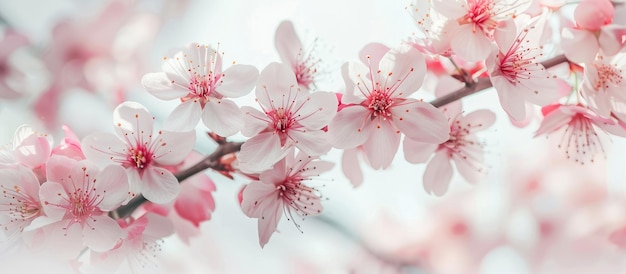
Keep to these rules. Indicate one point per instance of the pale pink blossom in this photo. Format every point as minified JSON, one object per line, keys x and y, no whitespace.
{"x":463,"y":148}
{"x":11,"y":78}
{"x":593,"y":32}
{"x":434,"y":26}
{"x":579,"y":126}
{"x":603,"y":85}
{"x":302,"y":61}
{"x":476,"y":20}
{"x":29,"y":149}
{"x":76,"y":199}
{"x":69,"y":146}
{"x":195,"y":77}
{"x":141,"y":151}
{"x":282,"y":190}
{"x":19,"y":201}
{"x":139,"y":248}
{"x":378,"y":108}
{"x":516,"y":73}
{"x":290,"y":117}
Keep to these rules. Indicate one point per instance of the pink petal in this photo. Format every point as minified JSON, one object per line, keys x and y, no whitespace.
{"x":349,"y":129}
{"x":355,"y":73}
{"x":471,"y":45}
{"x":238,"y":80}
{"x":405,"y":68}
{"x":53,"y":194}
{"x":512,"y":102}
{"x":103,"y":148}
{"x":275,"y":81}
{"x":58,"y":167}
{"x":159,"y":185}
{"x":316,"y":168}
{"x":579,"y":46}
{"x":421,"y":121}
{"x":553,"y":121}
{"x":66,"y":241}
{"x":160,"y":86}
{"x":417,"y":152}
{"x":318,"y":110}
{"x":133,"y":119}
{"x":610,"y":39}
{"x":174,"y":147}
{"x":269,"y":221}
{"x":311,"y":142}
{"x":479,"y":119}
{"x":287,"y":43}
{"x":254,"y":121}
{"x":194,"y":205}
{"x":372,"y":53}
{"x":351,"y":167}
{"x":473,"y":174}
{"x":184,"y":117}
{"x":112,"y":186}
{"x":33,"y":151}
{"x":158,"y":226}
{"x":102,"y":233}
{"x":382,"y":144}
{"x":258,"y":197}
{"x":438,"y":174}
{"x":592,"y":14}
{"x":223,"y":117}
{"x":450,"y":9}
{"x":505,"y":34}
{"x":260,"y":152}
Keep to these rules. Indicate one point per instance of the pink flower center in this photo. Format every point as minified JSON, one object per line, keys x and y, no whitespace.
{"x":480,"y":14}
{"x":304,"y":74}
{"x":281,"y":119}
{"x":519,"y":62}
{"x":607,"y":75}
{"x":297,"y":198}
{"x":202,"y":88}
{"x":19,"y":206}
{"x":139,"y":157}
{"x":379,"y":104}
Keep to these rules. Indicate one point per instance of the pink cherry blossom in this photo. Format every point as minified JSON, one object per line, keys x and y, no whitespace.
{"x":603,"y":85}
{"x":593,"y":32}
{"x":290,"y":117}
{"x":140,"y":151}
{"x":69,"y":146}
{"x":76,"y":199}
{"x":29,"y":149}
{"x":19,"y":202}
{"x":302,"y":62}
{"x":477,"y":20}
{"x":463,"y":148}
{"x":516,"y":73}
{"x":11,"y":77}
{"x":139,"y":247}
{"x":283,"y":190}
{"x":579,"y":125}
{"x":195,"y":77}
{"x":378,"y":108}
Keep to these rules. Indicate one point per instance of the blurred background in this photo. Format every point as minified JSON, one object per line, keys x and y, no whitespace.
{"x":536,"y":212}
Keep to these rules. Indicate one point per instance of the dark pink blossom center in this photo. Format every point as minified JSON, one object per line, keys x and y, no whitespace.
{"x":139,"y":157}
{"x":607,"y":75}
{"x":480,"y":13}
{"x":379,"y":104}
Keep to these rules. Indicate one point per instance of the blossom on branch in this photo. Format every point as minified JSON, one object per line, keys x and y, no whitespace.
{"x":378,"y":108}
{"x":283,"y":190}
{"x":141,"y":151}
{"x":195,"y":77}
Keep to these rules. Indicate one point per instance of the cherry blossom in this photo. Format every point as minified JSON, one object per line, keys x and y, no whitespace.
{"x":516,"y":73}
{"x":477,"y":20}
{"x":11,"y":78}
{"x":76,"y":199}
{"x":141,"y":151}
{"x":141,"y":243}
{"x":283,"y":190}
{"x":593,"y":32}
{"x":603,"y":85}
{"x":29,"y":149}
{"x":580,"y":126}
{"x":378,"y":108}
{"x":302,"y":62}
{"x":19,"y":202}
{"x":463,"y":148}
{"x":195,"y":77}
{"x":290,"y":117}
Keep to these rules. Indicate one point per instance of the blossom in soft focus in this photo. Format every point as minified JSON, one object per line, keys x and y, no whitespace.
{"x":19,"y":202}
{"x":140,"y":150}
{"x":284,"y":190}
{"x":603,"y":85}
{"x":302,"y":61}
{"x":11,"y":78}
{"x":290,"y":117}
{"x":379,"y":108}
{"x":195,"y":76}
